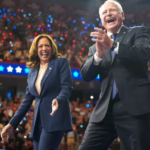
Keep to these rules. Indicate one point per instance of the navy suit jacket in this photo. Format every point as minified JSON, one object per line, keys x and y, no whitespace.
{"x":128,"y":69}
{"x":56,"y":84}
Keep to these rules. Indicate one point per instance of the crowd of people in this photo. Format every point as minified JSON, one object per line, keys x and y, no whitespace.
{"x":71,"y":32}
{"x":21,"y":137}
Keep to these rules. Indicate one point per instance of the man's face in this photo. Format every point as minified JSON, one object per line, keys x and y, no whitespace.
{"x":111,"y":17}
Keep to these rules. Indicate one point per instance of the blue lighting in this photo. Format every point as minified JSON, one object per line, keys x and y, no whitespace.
{"x":21,"y":10}
{"x":14,"y":27}
{"x":49,"y":16}
{"x":88,"y":24}
{"x":31,"y":40}
{"x":76,"y":74}
{"x":50,"y":29}
{"x":14,"y":14}
{"x":29,"y":14}
{"x":29,"y":111}
{"x":61,"y":38}
{"x":97,"y":19}
{"x":0,"y":104}
{"x":27,"y":70}
{"x":3,"y":9}
{"x":24,"y":118}
{"x":0,"y":11}
{"x":8,"y":19}
{"x":1,"y":68}
{"x":1,"y":16}
{"x":22,"y":70}
{"x":39,"y":28}
{"x":134,"y":26}
{"x":24,"y":15}
{"x":5,"y":14}
{"x":93,"y":25}
{"x":73,"y":21}
{"x":86,"y":28}
{"x":87,"y":105}
{"x":82,"y":18}
{"x":81,"y":126}
{"x":48,"y":20}
{"x":10,"y":51}
{"x":60,"y":44}
{"x":81,"y":33}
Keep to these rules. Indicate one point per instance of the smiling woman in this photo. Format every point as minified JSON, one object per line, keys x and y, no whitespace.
{"x":50,"y":84}
{"x":43,"y":49}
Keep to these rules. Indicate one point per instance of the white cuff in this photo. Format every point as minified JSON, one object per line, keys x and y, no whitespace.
{"x":116,"y":49}
{"x":96,"y":60}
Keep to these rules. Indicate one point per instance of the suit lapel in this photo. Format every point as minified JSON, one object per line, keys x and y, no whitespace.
{"x":120,"y":37}
{"x":33,"y":78}
{"x":48,"y":71}
{"x":107,"y":54}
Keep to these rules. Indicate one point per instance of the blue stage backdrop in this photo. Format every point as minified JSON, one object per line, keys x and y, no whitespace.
{"x":22,"y":70}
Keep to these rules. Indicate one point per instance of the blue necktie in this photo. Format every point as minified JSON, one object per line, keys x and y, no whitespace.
{"x":114,"y":91}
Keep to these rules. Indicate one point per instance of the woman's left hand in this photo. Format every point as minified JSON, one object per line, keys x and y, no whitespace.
{"x":55,"y":106}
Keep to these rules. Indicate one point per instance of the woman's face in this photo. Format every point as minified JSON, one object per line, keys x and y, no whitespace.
{"x":44,"y":50}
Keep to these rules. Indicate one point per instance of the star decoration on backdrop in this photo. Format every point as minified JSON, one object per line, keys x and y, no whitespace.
{"x":10,"y":69}
{"x":18,"y":69}
{"x":1,"y":68}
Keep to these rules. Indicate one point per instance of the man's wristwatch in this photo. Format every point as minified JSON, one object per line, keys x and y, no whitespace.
{"x":114,"y":45}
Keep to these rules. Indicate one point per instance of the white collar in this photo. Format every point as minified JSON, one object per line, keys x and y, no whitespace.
{"x":109,"y":33}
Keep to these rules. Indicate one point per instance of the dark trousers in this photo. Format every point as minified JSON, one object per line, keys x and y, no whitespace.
{"x":134,"y":132}
{"x":46,"y":140}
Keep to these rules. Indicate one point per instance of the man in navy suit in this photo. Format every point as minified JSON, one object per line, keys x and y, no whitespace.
{"x":120,"y":57}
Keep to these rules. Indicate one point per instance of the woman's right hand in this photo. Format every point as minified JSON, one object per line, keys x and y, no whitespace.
{"x":6,"y":131}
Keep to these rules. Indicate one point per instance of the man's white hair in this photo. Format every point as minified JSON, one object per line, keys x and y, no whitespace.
{"x":112,"y":1}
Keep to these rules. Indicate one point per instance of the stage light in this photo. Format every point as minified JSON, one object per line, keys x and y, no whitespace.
{"x":91,"y":97}
{"x":75,"y":74}
{"x":93,"y":25}
{"x":87,"y":105}
{"x":73,"y":21}
{"x":27,"y":70}
{"x":49,"y":16}
{"x":14,"y":27}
